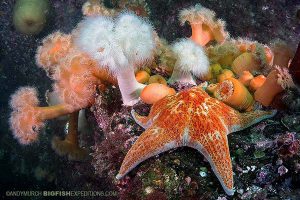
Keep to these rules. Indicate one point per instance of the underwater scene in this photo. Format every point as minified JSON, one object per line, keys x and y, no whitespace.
{"x":150,"y":100}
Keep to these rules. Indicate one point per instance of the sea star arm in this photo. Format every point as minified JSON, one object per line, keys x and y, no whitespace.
{"x":153,"y":141}
{"x":208,"y":134}
{"x":242,"y":121}
{"x":215,"y":149}
{"x":157,"y":108}
{"x":143,"y":121}
{"x":236,"y":121}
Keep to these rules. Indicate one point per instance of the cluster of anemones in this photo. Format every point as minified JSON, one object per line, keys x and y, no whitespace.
{"x":76,"y":77}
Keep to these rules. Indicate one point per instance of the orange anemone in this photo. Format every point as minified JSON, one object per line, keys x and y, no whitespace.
{"x":276,"y":81}
{"x":205,"y":26}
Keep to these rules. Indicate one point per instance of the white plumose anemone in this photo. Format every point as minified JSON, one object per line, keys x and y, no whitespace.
{"x":135,"y":37}
{"x":96,"y":37}
{"x":191,"y":60}
{"x":121,"y":46}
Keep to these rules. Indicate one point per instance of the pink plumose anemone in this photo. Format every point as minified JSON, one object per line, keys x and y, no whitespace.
{"x":27,"y":118}
{"x":69,"y":146}
{"x":23,"y":121}
{"x":53,"y":49}
{"x":77,"y":78}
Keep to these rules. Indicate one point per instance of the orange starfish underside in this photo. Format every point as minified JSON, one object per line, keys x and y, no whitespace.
{"x":191,"y":118}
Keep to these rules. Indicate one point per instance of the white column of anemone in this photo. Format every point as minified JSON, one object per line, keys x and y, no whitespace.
{"x":135,"y":37}
{"x":191,"y":60}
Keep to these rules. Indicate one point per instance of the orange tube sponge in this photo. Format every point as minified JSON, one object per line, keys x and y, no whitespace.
{"x":155,"y":92}
{"x":27,"y":118}
{"x":235,"y":94}
{"x":77,"y":78}
{"x":54,"y":48}
{"x":276,"y":81}
{"x":245,"y":78}
{"x":205,"y":27}
{"x":70,"y":146}
{"x":257,"y":82}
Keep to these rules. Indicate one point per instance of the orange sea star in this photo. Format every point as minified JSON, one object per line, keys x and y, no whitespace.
{"x":191,"y":118}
